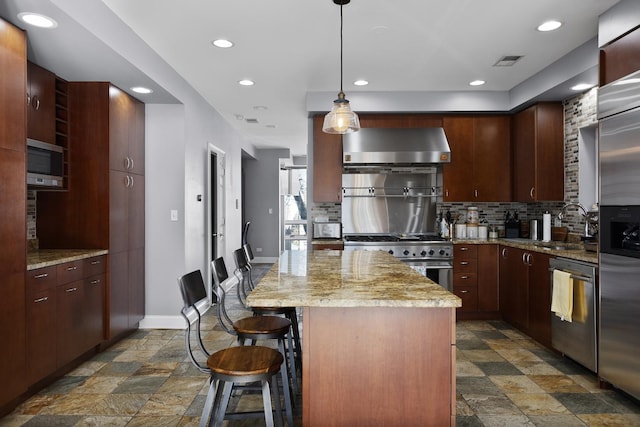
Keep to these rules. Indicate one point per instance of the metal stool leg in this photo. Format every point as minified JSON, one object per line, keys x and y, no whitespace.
{"x":285,"y":383}
{"x":222,"y":401}
{"x":207,"y":411}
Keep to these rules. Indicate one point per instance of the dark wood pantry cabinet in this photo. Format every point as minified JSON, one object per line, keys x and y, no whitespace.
{"x":41,"y":104}
{"x":104,"y":207}
{"x":13,"y":210}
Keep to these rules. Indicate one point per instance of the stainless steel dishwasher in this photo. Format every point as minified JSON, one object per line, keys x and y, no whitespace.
{"x":577,"y":339}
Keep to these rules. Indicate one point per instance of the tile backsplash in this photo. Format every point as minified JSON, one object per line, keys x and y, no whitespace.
{"x":32,"y":235}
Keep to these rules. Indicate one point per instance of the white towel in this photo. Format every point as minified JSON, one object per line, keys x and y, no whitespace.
{"x":562,"y":295}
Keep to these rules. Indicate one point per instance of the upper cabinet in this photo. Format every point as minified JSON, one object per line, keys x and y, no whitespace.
{"x":480,"y":159}
{"x":41,"y":104}
{"x":538,"y":146}
{"x":327,"y":164}
{"x":620,"y":58}
{"x":126,"y":126}
{"x":13,"y":58}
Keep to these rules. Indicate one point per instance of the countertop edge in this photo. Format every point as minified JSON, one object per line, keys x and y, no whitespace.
{"x":50,"y":257}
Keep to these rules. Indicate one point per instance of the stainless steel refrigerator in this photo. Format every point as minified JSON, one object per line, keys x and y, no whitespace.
{"x":619,"y":303}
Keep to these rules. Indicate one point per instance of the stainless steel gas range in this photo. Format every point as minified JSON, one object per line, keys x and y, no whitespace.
{"x":428,"y":254}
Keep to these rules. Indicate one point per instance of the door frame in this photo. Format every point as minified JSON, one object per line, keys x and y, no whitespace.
{"x":220,"y":196}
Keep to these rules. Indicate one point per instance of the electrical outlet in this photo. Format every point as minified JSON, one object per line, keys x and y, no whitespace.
{"x":174,"y":215}
{"x":258,"y":249}
{"x":270,"y":211}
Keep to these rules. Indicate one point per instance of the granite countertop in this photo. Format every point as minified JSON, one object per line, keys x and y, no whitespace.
{"x":347,"y":279}
{"x":48,"y":257}
{"x":574,"y":250}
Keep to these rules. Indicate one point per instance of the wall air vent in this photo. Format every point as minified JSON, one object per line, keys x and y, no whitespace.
{"x":251,"y":121}
{"x":507,"y":60}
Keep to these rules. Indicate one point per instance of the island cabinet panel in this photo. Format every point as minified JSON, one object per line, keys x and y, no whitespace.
{"x":41,"y":106}
{"x":480,"y":168}
{"x":407,"y":354}
{"x":475,"y":280}
{"x":525,"y":298}
{"x":538,"y":146}
{"x":620,"y":58}
{"x":327,"y":164}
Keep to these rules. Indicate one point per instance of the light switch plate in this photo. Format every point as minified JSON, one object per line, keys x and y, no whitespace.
{"x":174,"y":214}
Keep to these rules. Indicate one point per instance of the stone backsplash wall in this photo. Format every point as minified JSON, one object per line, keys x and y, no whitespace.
{"x":579,"y":112}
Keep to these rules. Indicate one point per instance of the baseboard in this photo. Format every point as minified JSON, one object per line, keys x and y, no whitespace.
{"x":171,"y":322}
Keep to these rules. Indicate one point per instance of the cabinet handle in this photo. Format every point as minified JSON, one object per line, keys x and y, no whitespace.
{"x":43,"y":299}
{"x":446,"y":192}
{"x":464,"y":292}
{"x":464,"y":262}
{"x":464,"y":277}
{"x":464,"y":248}
{"x":35,"y":102}
{"x":72,"y":268}
{"x":531,"y":192}
{"x":529,"y":263}
{"x":126,"y":162}
{"x":132,"y":182}
{"x":131,"y":159}
{"x":475,"y":193}
{"x":127,"y":181}
{"x":71,"y":290}
{"x":95,"y":282}
{"x":96,"y":262}
{"x":504,"y":252}
{"x":28,"y":99}
{"x":524,"y":257}
{"x":41,"y":276}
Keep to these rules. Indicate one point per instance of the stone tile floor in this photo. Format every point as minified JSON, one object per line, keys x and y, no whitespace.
{"x":503,"y":379}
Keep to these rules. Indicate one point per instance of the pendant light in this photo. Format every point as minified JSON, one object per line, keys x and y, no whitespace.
{"x":341,"y":119}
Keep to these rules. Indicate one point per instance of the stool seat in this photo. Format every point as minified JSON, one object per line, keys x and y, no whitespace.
{"x":248,"y":362}
{"x":263,"y":325}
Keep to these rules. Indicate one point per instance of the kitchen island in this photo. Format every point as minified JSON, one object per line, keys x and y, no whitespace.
{"x":378,"y":338}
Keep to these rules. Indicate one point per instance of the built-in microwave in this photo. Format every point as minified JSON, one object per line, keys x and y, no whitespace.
{"x":45,"y":163}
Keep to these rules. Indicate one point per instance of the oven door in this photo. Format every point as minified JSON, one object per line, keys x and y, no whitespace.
{"x":440,"y":272}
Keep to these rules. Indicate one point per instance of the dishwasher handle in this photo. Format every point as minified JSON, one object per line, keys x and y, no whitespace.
{"x":575,"y":276}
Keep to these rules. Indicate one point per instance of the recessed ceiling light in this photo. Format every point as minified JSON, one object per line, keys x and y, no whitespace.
{"x":361,"y":83}
{"x":140,"y":89}
{"x":582,"y":86}
{"x":246,"y":82}
{"x":222,"y":43}
{"x":477,"y":83}
{"x":549,"y":26}
{"x":37,"y":20}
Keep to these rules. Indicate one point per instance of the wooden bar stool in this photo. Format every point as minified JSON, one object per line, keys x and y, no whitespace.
{"x":256,"y":328}
{"x":230,"y":367}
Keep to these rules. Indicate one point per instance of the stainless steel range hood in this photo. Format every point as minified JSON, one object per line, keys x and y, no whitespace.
{"x":395,"y":146}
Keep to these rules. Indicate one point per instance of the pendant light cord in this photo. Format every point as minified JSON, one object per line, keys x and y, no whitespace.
{"x":341,"y":25}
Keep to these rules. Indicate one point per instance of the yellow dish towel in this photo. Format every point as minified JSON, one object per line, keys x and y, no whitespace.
{"x":562,"y":295}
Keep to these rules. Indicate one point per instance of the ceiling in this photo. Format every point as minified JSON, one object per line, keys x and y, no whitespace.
{"x":291,"y":49}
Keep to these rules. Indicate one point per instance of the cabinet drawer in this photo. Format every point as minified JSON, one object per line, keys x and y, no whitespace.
{"x":95,"y":265}
{"x":465,"y":251}
{"x":469,"y":297}
{"x":465,"y":265}
{"x":70,"y":271}
{"x":41,"y":279}
{"x":465,"y":279}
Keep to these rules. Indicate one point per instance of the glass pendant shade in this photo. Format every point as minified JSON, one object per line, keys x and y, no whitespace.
{"x":341,"y":119}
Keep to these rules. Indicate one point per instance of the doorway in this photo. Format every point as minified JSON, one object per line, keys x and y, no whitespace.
{"x":215,"y":209}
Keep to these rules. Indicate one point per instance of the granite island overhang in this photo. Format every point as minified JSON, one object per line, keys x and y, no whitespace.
{"x":378,"y":338}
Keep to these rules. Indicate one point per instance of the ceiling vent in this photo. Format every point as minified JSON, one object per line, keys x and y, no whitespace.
{"x":507,"y":60}
{"x":251,"y":121}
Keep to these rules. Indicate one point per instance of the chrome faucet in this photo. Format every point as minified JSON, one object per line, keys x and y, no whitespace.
{"x":584,"y":214}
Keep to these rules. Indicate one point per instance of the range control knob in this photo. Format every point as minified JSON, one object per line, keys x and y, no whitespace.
{"x":405,"y":252}
{"x":430,"y":251}
{"x":423,"y":253}
{"x":441,"y":252}
{"x":390,"y":251}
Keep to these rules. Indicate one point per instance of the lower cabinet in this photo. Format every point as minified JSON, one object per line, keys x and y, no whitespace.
{"x":475,"y":280}
{"x":65,"y":309}
{"x":525,"y":296}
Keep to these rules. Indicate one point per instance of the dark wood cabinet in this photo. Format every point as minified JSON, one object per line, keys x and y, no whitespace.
{"x":13,"y":211}
{"x":620,"y":58}
{"x":65,"y":312}
{"x":480,"y":168}
{"x":104,"y":207}
{"x":320,"y":246}
{"x":41,"y":104}
{"x":525,"y":299}
{"x":538,"y":161}
{"x":475,"y":280}
{"x":327,"y":164}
